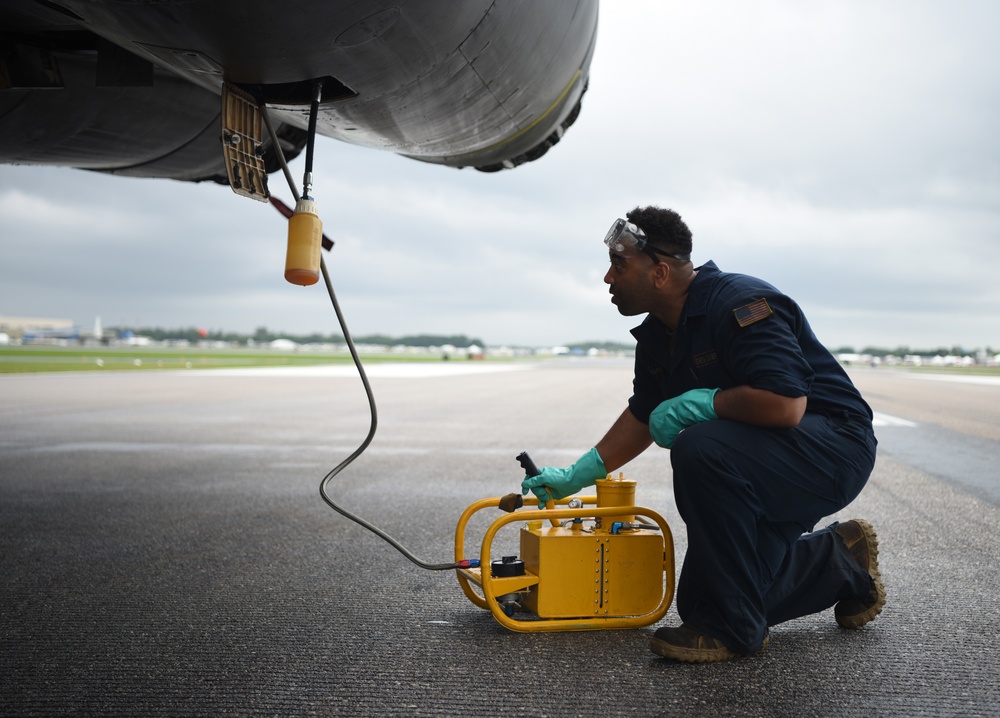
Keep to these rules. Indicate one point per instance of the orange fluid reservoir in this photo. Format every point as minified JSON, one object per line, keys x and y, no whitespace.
{"x":305,"y":233}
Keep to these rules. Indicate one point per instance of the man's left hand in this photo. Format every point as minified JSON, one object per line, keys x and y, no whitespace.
{"x":674,"y":415}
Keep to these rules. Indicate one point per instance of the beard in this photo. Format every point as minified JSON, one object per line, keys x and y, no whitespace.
{"x":625,"y":308}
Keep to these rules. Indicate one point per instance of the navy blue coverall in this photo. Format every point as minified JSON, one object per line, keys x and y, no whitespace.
{"x":747,"y":494}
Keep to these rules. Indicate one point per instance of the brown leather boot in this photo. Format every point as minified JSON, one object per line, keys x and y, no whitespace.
{"x":859,"y":537}
{"x":684,"y":643}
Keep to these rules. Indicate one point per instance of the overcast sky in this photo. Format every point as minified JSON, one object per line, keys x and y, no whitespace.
{"x":846,"y":151}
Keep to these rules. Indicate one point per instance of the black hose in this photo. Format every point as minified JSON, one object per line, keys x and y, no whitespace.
{"x":364,"y":445}
{"x":354,"y":354}
{"x":311,"y":141}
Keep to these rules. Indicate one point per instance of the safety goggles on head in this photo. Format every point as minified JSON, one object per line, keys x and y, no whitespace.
{"x":625,"y":235}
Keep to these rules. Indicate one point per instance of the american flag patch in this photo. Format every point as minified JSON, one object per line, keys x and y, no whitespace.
{"x":752,"y":312}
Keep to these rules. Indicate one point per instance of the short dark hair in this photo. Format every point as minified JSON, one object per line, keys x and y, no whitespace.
{"x":664,"y":228}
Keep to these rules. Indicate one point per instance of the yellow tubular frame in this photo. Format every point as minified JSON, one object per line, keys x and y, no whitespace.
{"x":493,"y":587}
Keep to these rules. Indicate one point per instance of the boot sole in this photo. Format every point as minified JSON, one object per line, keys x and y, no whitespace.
{"x":689,"y":655}
{"x":697,"y":655}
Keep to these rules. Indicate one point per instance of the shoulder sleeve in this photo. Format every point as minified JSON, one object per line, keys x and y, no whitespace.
{"x":758,"y":334}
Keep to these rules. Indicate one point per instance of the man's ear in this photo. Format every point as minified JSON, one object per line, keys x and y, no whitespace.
{"x":661,"y":273}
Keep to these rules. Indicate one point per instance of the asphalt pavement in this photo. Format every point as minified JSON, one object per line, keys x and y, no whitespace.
{"x":165,"y":552}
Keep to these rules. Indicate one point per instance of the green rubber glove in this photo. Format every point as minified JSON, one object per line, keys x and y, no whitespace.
{"x":674,"y":415}
{"x":566,"y":482}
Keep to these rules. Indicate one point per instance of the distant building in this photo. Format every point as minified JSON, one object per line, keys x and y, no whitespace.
{"x":29,"y":329}
{"x":283,"y":344}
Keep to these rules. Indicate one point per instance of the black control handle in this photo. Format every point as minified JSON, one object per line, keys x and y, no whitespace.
{"x":527,"y":464}
{"x":531,"y":470}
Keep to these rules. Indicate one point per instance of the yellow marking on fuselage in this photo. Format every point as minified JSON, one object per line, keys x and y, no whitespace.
{"x":522,"y":131}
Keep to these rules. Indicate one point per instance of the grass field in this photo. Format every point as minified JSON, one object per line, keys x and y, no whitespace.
{"x":30,"y":359}
{"x":35,"y":358}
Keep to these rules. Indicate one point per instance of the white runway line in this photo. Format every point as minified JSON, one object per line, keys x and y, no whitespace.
{"x":983,"y":379}
{"x":400,"y":370}
{"x":888,"y":420}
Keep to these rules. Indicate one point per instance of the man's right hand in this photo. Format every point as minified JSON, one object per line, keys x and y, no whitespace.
{"x":566,"y":482}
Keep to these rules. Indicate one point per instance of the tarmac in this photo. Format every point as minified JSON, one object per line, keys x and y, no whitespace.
{"x":165,"y":552}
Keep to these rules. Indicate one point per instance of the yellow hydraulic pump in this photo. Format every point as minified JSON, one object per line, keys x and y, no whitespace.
{"x":596,"y":565}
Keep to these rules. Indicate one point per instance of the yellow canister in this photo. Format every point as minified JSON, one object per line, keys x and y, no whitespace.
{"x":615,"y":492}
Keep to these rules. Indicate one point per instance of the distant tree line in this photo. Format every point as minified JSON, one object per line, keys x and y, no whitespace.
{"x":900,"y":351}
{"x":907,"y":351}
{"x":611,"y":347}
{"x":263,"y":335}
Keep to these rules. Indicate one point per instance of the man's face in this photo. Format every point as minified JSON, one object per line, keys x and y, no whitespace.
{"x":629,"y":281}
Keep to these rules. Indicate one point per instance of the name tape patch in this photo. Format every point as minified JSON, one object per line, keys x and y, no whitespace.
{"x":752,"y":312}
{"x":706,"y":358}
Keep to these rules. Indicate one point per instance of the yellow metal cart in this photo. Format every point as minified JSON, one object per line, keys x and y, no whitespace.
{"x":595,"y":565}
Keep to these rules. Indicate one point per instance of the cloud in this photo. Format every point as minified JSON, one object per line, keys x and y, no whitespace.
{"x":26,"y":213}
{"x":845,"y":152}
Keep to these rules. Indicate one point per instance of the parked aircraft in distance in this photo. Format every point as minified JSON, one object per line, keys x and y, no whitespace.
{"x":137,"y":87}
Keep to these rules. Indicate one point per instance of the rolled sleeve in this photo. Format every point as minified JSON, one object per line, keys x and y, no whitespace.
{"x":766,"y":354}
